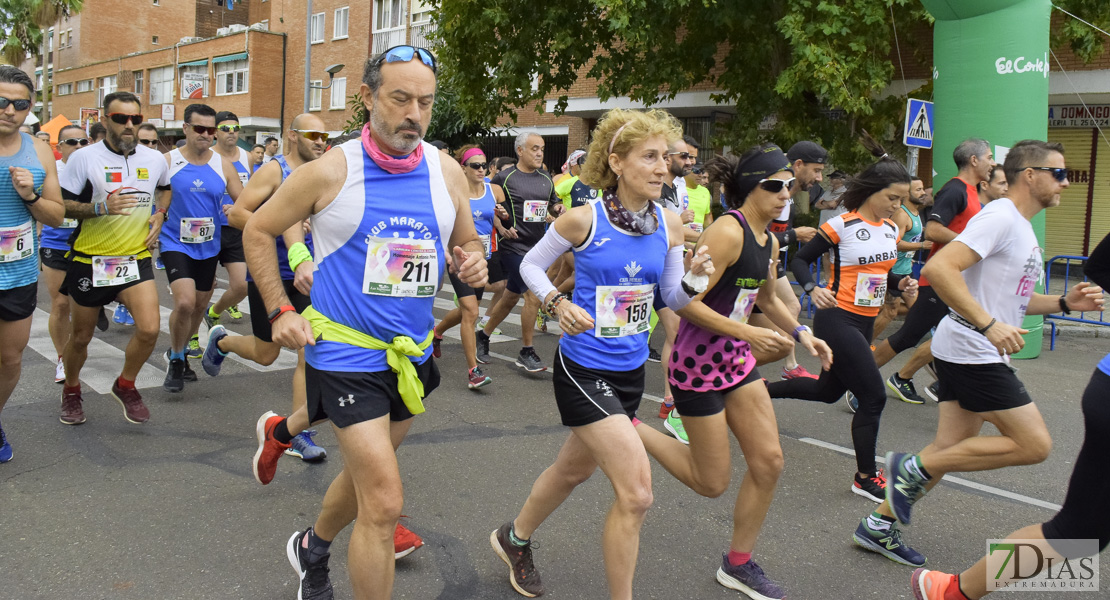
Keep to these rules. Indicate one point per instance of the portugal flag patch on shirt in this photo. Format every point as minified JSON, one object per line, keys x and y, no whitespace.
{"x":116,"y":177}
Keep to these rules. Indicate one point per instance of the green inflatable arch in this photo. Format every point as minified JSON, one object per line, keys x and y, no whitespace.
{"x":990,"y":76}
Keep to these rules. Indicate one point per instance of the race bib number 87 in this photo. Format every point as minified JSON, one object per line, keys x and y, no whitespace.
{"x":403,"y":268}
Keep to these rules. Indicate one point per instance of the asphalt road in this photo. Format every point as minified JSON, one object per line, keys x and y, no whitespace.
{"x":170,"y":510}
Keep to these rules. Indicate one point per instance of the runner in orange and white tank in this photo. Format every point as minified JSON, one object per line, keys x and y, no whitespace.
{"x":864,"y":244}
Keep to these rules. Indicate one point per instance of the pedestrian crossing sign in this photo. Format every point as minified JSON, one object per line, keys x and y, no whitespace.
{"x":918,"y":132}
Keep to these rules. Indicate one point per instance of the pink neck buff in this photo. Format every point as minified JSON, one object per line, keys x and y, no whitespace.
{"x":390,"y":164}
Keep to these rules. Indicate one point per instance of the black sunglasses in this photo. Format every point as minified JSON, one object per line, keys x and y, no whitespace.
{"x":123,"y":118}
{"x":697,"y":170}
{"x":202,"y":129}
{"x":775,"y":185}
{"x":405,"y":54}
{"x":75,"y":141}
{"x":478,"y":166}
{"x":1058,"y":173}
{"x":148,"y":142}
{"x":21,"y":104}
{"x":228,"y":128}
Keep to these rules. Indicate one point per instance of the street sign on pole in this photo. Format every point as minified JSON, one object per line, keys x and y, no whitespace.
{"x":918,"y":132}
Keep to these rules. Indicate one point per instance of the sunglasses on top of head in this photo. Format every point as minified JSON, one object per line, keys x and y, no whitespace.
{"x":775,"y":185}
{"x":74,"y":141}
{"x":202,"y":129}
{"x":405,"y":54}
{"x":123,"y":118}
{"x":477,"y":166}
{"x":310,"y":134}
{"x":1058,"y":173}
{"x":20,"y":104}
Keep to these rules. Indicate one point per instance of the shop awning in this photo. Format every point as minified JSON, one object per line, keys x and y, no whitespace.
{"x":195,"y":63}
{"x":230,"y":58}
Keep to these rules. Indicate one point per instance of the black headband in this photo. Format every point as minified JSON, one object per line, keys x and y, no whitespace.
{"x":768,"y":161}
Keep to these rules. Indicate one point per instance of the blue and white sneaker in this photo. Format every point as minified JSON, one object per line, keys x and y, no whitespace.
{"x":749,"y":579}
{"x":888,"y":543}
{"x":122,"y":316}
{"x":5,"y":447}
{"x":213,"y":359}
{"x":158,"y":264}
{"x":305,"y":449}
{"x":904,"y":487}
{"x":852,"y":402}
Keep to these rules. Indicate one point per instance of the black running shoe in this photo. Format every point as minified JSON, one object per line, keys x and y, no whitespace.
{"x":102,"y":320}
{"x":530,"y":361}
{"x":175,"y":375}
{"x":654,"y":356}
{"x":314,"y":581}
{"x":482,"y":354}
{"x":522,"y":573}
{"x":933,"y":391}
{"x":904,"y":389}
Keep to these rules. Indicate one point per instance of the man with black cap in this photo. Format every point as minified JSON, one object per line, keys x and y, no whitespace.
{"x":807,"y":160}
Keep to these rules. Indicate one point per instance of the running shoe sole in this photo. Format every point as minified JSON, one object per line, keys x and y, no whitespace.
{"x":260,"y":434}
{"x":917,"y":583}
{"x":521,"y":365}
{"x":291,"y":554}
{"x":481,"y":384}
{"x":862,"y":492}
{"x":848,"y":397}
{"x":124,"y":407}
{"x":872,"y":546}
{"x":505,"y":557}
{"x":734,"y":584}
{"x":897,"y":392}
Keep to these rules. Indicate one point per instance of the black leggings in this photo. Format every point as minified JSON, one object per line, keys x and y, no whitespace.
{"x":924,"y":315}
{"x":1086,"y":510}
{"x":853,"y":369}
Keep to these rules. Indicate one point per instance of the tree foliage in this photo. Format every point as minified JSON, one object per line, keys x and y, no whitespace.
{"x":820,"y":67}
{"x":23,"y":21}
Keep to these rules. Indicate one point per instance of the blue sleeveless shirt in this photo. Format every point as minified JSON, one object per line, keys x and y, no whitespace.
{"x":18,"y":241}
{"x":198,"y":194}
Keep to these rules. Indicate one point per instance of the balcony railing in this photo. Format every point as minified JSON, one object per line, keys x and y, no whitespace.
{"x":387,"y":38}
{"x":421,"y":35}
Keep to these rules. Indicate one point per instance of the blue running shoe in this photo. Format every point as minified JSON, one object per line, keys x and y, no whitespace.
{"x":305,"y":449}
{"x":5,"y":447}
{"x":852,"y":402}
{"x":158,"y":264}
{"x":888,"y":543}
{"x":122,"y":316}
{"x":904,"y":487}
{"x":749,"y":579}
{"x":213,"y":359}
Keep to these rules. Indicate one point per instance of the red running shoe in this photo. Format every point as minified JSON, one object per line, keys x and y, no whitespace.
{"x":72,"y":413}
{"x":405,"y":542}
{"x":133,"y":408}
{"x":269,"y":449}
{"x":796,"y":372}
{"x":666,"y":407}
{"x":931,"y":585}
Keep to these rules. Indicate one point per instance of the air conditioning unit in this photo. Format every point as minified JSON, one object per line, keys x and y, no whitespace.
{"x":260,"y":27}
{"x":189,"y":40}
{"x":236,"y":28}
{"x":223,"y":31}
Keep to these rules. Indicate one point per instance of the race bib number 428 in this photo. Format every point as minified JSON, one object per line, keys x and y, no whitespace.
{"x":404,"y":268}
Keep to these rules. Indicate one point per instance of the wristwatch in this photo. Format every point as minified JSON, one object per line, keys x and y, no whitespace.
{"x":32,"y":201}
{"x":274,"y":314}
{"x":799,"y":330}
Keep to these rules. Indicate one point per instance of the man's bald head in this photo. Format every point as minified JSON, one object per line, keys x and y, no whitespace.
{"x":304,"y":128}
{"x":308,"y":122}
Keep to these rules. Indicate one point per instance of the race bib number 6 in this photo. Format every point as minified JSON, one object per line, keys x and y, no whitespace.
{"x":403,"y":268}
{"x":197,"y":230}
{"x":535,"y":211}
{"x":870,"y":290}
{"x":623,"y":310}
{"x":17,"y":243}
{"x":110,"y":271}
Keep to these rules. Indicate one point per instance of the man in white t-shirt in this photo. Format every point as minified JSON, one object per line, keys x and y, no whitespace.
{"x":987,"y":276}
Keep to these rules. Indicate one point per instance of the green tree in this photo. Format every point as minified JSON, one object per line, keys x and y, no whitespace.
{"x":23,"y":23}
{"x":818,"y":66}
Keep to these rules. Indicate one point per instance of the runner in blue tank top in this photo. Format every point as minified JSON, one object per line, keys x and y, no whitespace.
{"x":716,"y":387}
{"x":29,"y":192}
{"x":190,"y":239}
{"x":379,"y":263}
{"x":483,"y":207}
{"x":625,"y":248}
{"x":260,"y":347}
{"x":231,"y":238}
{"x":53,"y":245}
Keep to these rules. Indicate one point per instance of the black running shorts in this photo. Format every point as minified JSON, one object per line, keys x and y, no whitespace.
{"x":352,"y":398}
{"x":706,"y":404}
{"x":586,"y":395}
{"x":78,"y":284}
{"x":260,"y":323}
{"x":182,"y":266}
{"x":54,"y":259}
{"x":231,"y":245}
{"x":980,"y":388}
{"x":510,"y":266}
{"x":18,"y":303}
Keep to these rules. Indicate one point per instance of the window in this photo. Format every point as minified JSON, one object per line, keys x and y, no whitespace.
{"x":231,"y":77}
{"x":317,"y":28}
{"x":161,"y":85}
{"x":61,"y":39}
{"x":137,"y":77}
{"x":316,"y":96}
{"x":69,"y":38}
{"x":194,"y":81}
{"x":157,"y":3}
{"x":50,"y":40}
{"x":154,"y":39}
{"x":387,"y":14}
{"x":85,"y":85}
{"x":339,"y":31}
{"x":338,"y":93}
{"x":106,"y":86}
{"x":65,"y":89}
